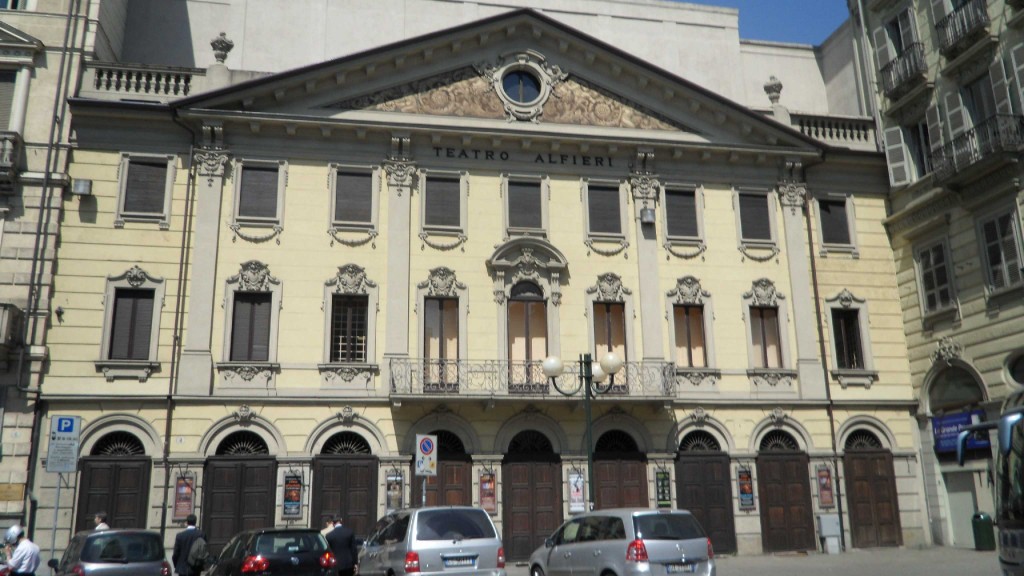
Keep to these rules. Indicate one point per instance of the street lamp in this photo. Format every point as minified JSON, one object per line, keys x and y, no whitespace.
{"x":592,"y":378}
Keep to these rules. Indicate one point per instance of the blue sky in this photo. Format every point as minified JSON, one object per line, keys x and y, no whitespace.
{"x":803,"y":21}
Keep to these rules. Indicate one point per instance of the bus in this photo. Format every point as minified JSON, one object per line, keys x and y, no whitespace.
{"x":1009,"y":480}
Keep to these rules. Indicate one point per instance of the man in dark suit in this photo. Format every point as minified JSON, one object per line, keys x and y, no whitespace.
{"x":183,"y":545}
{"x":343,"y":545}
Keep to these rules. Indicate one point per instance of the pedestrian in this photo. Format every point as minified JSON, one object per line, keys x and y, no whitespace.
{"x":183,"y":543}
{"x":328,"y":526}
{"x":22,"y":553}
{"x":343,"y":545}
{"x":100,"y":519}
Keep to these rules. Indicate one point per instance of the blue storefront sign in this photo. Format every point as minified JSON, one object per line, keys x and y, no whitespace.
{"x":946,"y":428}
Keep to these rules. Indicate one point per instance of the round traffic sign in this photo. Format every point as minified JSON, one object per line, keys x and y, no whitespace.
{"x":426,"y":446}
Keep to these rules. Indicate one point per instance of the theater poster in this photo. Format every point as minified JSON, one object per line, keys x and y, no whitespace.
{"x":184,"y":497}
{"x":487,"y":499}
{"x":292,"y":496}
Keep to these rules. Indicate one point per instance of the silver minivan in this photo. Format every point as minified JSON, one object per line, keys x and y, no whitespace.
{"x":434,"y":540}
{"x":626,"y":542}
{"x":114,"y":553}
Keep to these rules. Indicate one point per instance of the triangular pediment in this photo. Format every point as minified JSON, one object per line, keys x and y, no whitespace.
{"x":11,"y":37}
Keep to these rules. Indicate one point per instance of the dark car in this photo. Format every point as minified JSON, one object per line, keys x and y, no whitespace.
{"x":113,"y":553}
{"x":276,"y":552}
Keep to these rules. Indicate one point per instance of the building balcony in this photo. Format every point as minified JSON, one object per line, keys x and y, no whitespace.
{"x":503,"y":379}
{"x":853,"y":132}
{"x":904,"y":72}
{"x":10,"y":158}
{"x":961,"y":27}
{"x":980,"y":149}
{"x":137,"y":82}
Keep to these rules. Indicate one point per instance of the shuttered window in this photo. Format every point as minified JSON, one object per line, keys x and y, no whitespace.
{"x":681,"y":213}
{"x":935,"y":281}
{"x":353,"y":197}
{"x":146,"y":187}
{"x":610,"y":329}
{"x":6,"y":97}
{"x":691,"y":351}
{"x":443,"y":205}
{"x":846,"y":335}
{"x":755,"y":219}
{"x":765,"y":337}
{"x":348,"y":328}
{"x":131,"y":325}
{"x":603,"y":210}
{"x":835,"y":226}
{"x":1001,"y":251}
{"x":524,"y":204}
{"x":257,"y":195}
{"x":250,"y":327}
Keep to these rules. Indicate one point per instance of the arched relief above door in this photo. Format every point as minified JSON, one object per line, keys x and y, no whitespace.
{"x":345,"y":421}
{"x":242,"y":420}
{"x":531,"y":419}
{"x":444,"y":419}
{"x":94,"y":432}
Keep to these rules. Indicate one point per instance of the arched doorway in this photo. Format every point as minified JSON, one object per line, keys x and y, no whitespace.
{"x":238,"y":488}
{"x":871,"y":492}
{"x":453,"y":485}
{"x":620,"y":472}
{"x":115,"y":480}
{"x":704,"y":487}
{"x":345,"y":482}
{"x":785,"y":494}
{"x":531,"y":487}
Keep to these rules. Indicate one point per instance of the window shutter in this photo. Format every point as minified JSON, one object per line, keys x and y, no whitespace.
{"x":896,"y":155}
{"x":7,"y":80}
{"x":603,"y":209}
{"x":882,"y":55}
{"x":681,"y":213}
{"x":443,"y":207}
{"x":131,"y":324}
{"x":261,"y":328}
{"x":1017,"y":58}
{"x":146,"y":187}
{"x":938,"y":10}
{"x":524,"y":204}
{"x":754,"y":217}
{"x":934,"y":120}
{"x":1000,"y":87}
{"x":835,"y":224}
{"x":258,"y":194}
{"x":353,"y":200}
{"x":250,"y":327}
{"x":955,"y":115}
{"x":241,"y":327}
{"x":908,"y":32}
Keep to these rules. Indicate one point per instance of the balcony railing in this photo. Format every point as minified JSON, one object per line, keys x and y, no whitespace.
{"x":10,"y":157}
{"x":960,"y":27}
{"x":511,"y":379}
{"x":1000,"y":133}
{"x":900,"y":75}
{"x":140,"y":82}
{"x":842,"y":131}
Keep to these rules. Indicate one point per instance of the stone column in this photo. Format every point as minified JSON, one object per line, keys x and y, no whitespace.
{"x":195,"y":378}
{"x":645,"y":187}
{"x":401,"y":172}
{"x":793,"y":197}
{"x":19,"y":104}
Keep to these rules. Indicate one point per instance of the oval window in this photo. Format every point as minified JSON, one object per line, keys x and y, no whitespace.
{"x":521,"y":86}
{"x":1017,"y":369}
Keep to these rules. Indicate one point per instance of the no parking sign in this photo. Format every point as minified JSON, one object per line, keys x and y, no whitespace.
{"x":426,"y":455}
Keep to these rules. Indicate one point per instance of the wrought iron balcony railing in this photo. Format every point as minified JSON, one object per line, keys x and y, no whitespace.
{"x":503,"y":378}
{"x":1000,"y":133}
{"x":10,"y":157}
{"x":961,"y":26}
{"x":899,"y":75}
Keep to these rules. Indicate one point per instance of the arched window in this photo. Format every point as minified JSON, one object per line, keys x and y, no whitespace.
{"x":699,"y":441}
{"x":242,"y":443}
{"x":777,"y":440}
{"x":954,"y":388}
{"x":863,"y":440}
{"x":118,"y":444}
{"x":346,"y":443}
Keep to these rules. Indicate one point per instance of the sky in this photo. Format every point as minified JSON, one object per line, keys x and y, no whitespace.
{"x":801,"y":21}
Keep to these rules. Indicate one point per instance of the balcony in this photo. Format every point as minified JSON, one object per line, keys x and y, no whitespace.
{"x":979,"y":149}
{"x":496,"y":379}
{"x":961,"y":27}
{"x":904,"y":72}
{"x":137,"y":82}
{"x":10,"y":158}
{"x":853,"y":132}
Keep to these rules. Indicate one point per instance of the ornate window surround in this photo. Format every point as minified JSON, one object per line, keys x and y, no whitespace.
{"x":277,"y":223}
{"x":442,"y":282}
{"x":951,"y":312}
{"x":996,"y":295}
{"x":134,"y":277}
{"x":460,"y":232}
{"x":163,"y":219}
{"x":336,"y":227}
{"x":688,"y":291}
{"x":545,"y":198}
{"x":851,"y":223}
{"x":533,"y":62}
{"x":845,"y":300}
{"x":753,"y":248}
{"x":590,"y":239}
{"x":350,"y":279}
{"x":253,"y":276}
{"x":764,"y":293}
{"x":611,"y":289}
{"x":693,"y":245}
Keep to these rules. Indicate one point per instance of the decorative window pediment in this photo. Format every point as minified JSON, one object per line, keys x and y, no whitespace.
{"x":252,"y":304}
{"x":350,"y":305}
{"x":133,"y":302}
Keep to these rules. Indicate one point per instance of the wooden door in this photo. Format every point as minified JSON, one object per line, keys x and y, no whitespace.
{"x":620,"y":483}
{"x":238,"y":494}
{"x":532,"y":505}
{"x":345,"y":486}
{"x":786,"y":520}
{"x":871,"y":493}
{"x":117,"y":485}
{"x":704,"y":487}
{"x":453,"y":485}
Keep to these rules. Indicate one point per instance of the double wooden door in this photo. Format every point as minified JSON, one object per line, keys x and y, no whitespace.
{"x":704,"y":487}
{"x":532,"y":504}
{"x":345,"y":486}
{"x":238,"y":494}
{"x":117,"y":485}
{"x":453,"y":485}
{"x":620,"y":483}
{"x":871,"y":493}
{"x":783,"y":480}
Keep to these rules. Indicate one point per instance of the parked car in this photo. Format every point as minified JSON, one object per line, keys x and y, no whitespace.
{"x":626,"y":542}
{"x":113,"y":553}
{"x":275,"y":552}
{"x":448,"y":540}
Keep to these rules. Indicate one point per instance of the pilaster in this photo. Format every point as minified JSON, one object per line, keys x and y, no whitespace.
{"x":400,"y":171}
{"x":645,"y":188}
{"x":19,"y":104}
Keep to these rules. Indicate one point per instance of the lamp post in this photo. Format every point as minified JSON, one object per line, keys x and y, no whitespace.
{"x":592,"y":378}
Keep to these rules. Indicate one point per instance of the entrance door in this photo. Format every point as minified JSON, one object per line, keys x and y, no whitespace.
{"x":620,"y":472}
{"x":238,"y":495}
{"x":346,"y":486}
{"x":784,"y":483}
{"x":704,"y":487}
{"x":116,"y":485}
{"x":962,"y":505}
{"x":453,"y":485}
{"x":871,"y":491}
{"x":531,"y":492}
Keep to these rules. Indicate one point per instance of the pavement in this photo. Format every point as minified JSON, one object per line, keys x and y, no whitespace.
{"x":937,"y":561}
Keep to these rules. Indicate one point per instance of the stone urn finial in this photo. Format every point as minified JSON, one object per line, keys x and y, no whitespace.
{"x":221,"y":46}
{"x":773,"y":88}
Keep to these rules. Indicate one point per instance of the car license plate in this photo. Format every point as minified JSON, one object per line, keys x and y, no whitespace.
{"x":460,"y":562}
{"x":680,"y":568}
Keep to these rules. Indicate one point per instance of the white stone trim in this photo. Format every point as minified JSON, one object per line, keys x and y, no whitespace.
{"x":371,"y":228}
{"x":338,"y":423}
{"x":443,"y":419}
{"x":869,"y":423}
{"x":705,"y":423}
{"x":423,"y":185}
{"x":350,"y":280}
{"x":591,"y":238}
{"x":846,"y":300}
{"x":250,"y":374}
{"x":442,"y":282}
{"x":93,"y":432}
{"x":545,"y":197}
{"x":929,"y":318}
{"x":684,"y":246}
{"x":991,"y":292}
{"x":232,"y":423}
{"x":547,"y":75}
{"x":618,"y":420}
{"x":688,"y":291}
{"x":787,"y":424}
{"x":853,"y":247}
{"x":755,"y":248}
{"x":282,"y":183}
{"x":763,"y":294}
{"x":531,"y":419}
{"x":619,"y":294}
{"x":133,"y":278}
{"x":163,"y":219}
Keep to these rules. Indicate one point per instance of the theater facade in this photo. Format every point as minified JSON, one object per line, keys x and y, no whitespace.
{"x":275,"y":286}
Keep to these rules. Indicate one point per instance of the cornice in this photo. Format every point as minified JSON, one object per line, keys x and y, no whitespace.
{"x":920,"y":213}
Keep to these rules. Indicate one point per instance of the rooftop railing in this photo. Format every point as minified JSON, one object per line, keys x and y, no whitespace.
{"x":139,"y":82}
{"x":840,"y":131}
